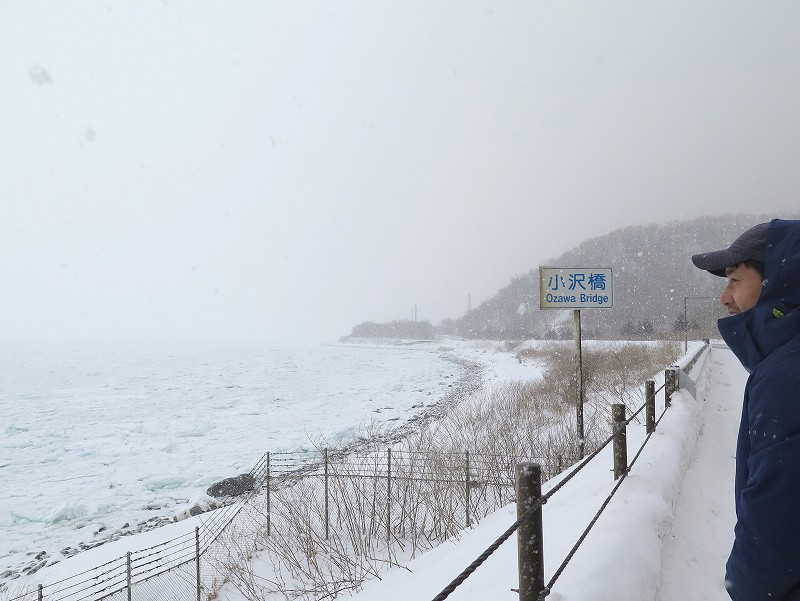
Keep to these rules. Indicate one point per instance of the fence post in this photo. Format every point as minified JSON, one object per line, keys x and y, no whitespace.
{"x":650,"y":400}
{"x":620,"y":440}
{"x":41,"y":593}
{"x":670,"y":384}
{"x":129,"y":576}
{"x":327,"y":516}
{"x":530,"y":545}
{"x":197,"y":552}
{"x":269,"y":498}
{"x":466,"y":482}
{"x":388,"y":497}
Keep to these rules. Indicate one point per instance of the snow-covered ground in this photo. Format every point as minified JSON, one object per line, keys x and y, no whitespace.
{"x":92,"y":441}
{"x":96,"y":442}
{"x":664,"y":536}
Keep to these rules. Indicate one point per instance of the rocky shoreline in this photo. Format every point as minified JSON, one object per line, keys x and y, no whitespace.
{"x":42,"y":559}
{"x":469,"y":382}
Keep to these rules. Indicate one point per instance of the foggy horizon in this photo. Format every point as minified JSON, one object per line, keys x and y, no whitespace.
{"x":277,"y":173}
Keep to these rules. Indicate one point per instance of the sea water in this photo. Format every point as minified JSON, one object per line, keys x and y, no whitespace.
{"x":99,"y":441}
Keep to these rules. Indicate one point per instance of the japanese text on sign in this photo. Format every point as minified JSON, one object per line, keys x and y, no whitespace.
{"x":575,"y":288}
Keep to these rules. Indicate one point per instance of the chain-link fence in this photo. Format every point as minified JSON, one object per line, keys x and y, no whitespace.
{"x":322,"y":522}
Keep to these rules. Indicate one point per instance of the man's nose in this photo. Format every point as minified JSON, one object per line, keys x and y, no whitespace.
{"x":726,"y":297}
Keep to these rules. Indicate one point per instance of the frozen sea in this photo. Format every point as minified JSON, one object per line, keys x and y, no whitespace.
{"x":95,"y":441}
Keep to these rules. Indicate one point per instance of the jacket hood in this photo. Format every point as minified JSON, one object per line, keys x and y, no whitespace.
{"x":754,"y":334}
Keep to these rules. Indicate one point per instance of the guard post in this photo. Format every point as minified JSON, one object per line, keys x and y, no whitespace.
{"x":530,"y":546}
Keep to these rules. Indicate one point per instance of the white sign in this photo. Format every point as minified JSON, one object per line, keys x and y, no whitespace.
{"x":575,"y":288}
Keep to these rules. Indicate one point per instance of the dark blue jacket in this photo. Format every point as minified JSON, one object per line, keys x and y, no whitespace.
{"x":765,"y":559}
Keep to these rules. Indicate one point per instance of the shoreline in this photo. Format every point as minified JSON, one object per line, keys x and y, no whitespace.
{"x":468,"y":381}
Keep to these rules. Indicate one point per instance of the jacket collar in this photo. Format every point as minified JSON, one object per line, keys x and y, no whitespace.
{"x":775,"y":319}
{"x":752,"y":336}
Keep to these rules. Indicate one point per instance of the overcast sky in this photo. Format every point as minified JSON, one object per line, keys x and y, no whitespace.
{"x":274,"y":171}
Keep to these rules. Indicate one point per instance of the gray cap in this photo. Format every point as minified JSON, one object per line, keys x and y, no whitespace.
{"x":751,"y":245}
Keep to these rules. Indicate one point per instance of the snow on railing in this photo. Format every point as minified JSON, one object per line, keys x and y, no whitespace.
{"x":529,"y":485}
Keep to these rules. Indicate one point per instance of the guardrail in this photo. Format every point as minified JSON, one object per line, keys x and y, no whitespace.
{"x":530,"y":500}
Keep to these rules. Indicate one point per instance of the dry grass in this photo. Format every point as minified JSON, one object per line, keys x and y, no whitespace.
{"x":387,"y":498}
{"x":376,"y":507}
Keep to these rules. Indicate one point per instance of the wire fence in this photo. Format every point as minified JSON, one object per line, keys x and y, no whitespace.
{"x":324,"y":521}
{"x":367,"y":504}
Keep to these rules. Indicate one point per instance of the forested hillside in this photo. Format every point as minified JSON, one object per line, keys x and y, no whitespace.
{"x":653,"y":275}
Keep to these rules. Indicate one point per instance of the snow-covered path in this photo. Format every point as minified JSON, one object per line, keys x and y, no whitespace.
{"x":696,"y":550}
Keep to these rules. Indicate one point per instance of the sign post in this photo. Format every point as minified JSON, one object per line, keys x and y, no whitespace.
{"x":579,"y":385}
{"x":576,"y":288}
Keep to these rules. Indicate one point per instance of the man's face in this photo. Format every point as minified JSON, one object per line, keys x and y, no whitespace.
{"x":743,"y":289}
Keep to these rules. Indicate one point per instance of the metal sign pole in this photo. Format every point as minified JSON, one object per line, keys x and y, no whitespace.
{"x":576,"y":288}
{"x":579,"y":384}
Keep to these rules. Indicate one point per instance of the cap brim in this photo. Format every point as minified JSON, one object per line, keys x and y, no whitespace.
{"x":717,"y":261}
{"x":752,"y":244}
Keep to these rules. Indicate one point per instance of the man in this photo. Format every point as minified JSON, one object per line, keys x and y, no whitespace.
{"x":763,"y":330}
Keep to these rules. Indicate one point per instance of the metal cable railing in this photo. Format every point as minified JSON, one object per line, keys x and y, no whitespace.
{"x":596,"y":517}
{"x":515,"y":526}
{"x":537,"y":504}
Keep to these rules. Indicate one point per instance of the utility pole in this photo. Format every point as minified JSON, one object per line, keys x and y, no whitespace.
{"x":686,"y":319}
{"x":685,"y":326}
